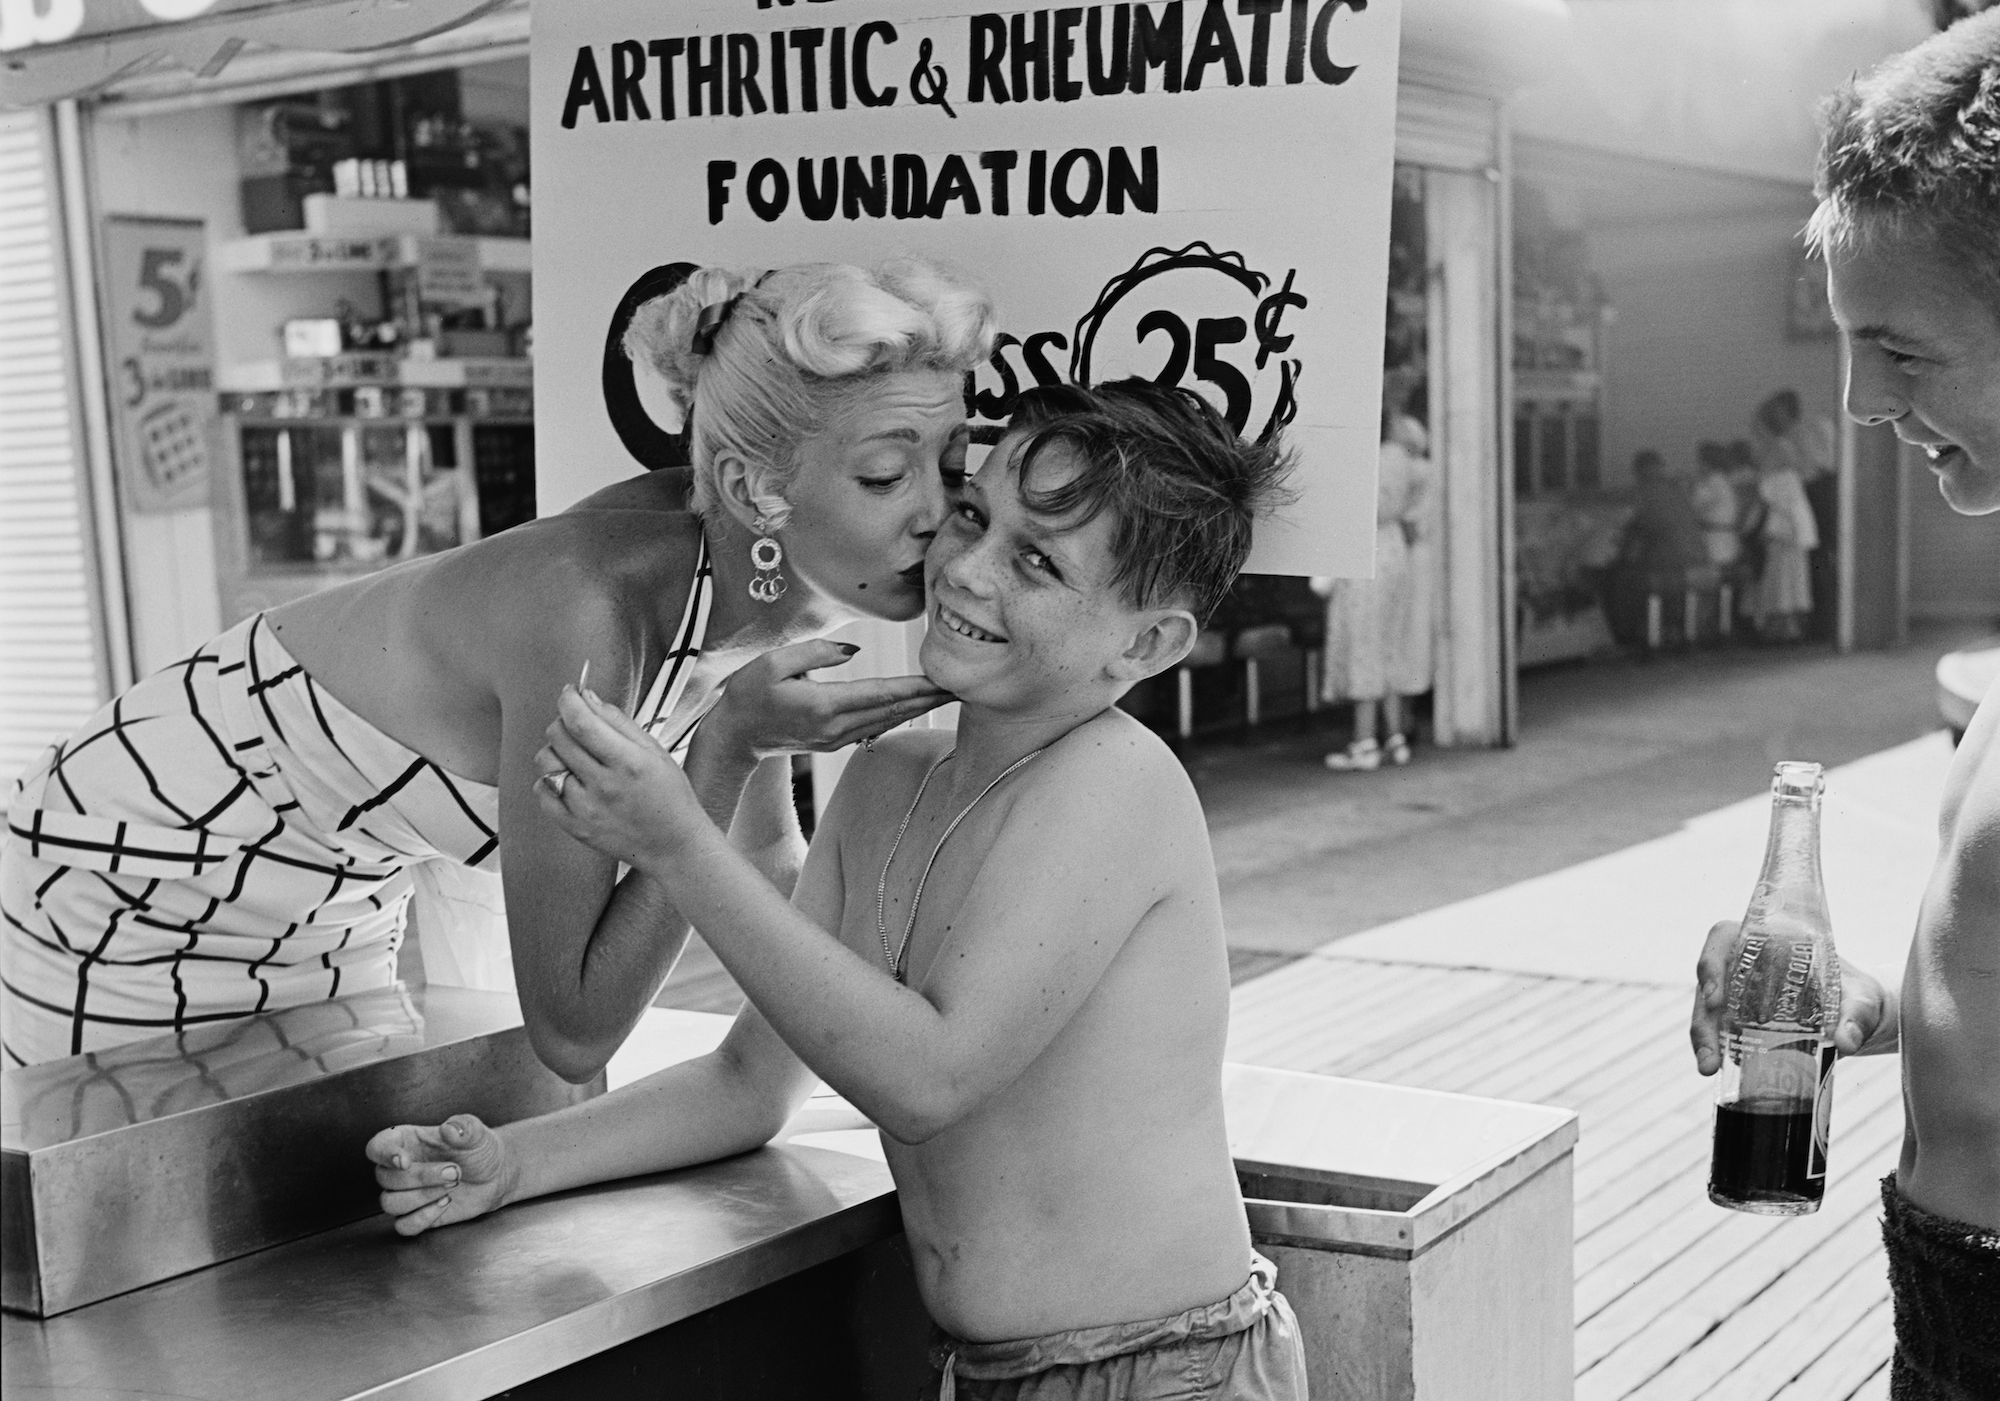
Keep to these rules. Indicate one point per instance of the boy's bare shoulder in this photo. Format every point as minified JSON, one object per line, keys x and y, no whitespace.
{"x":887,"y":773}
{"x":1114,"y":773}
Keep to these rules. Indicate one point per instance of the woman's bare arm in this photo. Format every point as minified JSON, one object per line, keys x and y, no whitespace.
{"x":590,"y":950}
{"x":586,"y":977}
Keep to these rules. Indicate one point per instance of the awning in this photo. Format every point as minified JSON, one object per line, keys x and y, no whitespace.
{"x":52,"y":49}
{"x":1723,"y":85}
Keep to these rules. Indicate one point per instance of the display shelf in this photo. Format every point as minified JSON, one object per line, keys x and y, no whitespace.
{"x":356,"y":370}
{"x":298,"y":251}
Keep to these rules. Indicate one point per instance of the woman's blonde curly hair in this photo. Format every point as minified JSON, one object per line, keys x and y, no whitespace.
{"x":790,"y":350}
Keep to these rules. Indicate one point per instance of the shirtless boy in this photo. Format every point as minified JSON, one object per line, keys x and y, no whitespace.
{"x":1909,"y":218}
{"x":1005,"y":947}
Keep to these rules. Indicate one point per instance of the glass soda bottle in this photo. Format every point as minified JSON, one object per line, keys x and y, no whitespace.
{"x":1774,"y":1100}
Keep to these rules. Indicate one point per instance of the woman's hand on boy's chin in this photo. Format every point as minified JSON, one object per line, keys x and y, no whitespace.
{"x":440,"y":1176}
{"x":611,"y":786}
{"x":772,"y":706}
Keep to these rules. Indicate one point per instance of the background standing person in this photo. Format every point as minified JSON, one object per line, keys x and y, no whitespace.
{"x":1379,"y":631}
{"x":1717,"y":507}
{"x":1784,"y":434}
{"x":1784,"y":597}
{"x":243,"y":831}
{"x":1909,"y":211}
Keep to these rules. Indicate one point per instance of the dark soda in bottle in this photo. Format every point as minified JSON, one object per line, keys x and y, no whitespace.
{"x":1774,"y":1099}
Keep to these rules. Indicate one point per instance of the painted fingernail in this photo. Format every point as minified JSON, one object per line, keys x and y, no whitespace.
{"x":584,"y":679}
{"x":451,"y":1174}
{"x":443,"y":1202}
{"x":848,"y":647}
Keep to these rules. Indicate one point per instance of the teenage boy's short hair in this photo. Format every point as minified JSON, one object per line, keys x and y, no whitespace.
{"x":1913,"y":150}
{"x":1182,"y":488}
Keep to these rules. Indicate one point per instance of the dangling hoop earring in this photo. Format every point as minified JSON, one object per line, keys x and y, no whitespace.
{"x":765,"y":557}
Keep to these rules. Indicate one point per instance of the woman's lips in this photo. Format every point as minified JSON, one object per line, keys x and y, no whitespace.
{"x":913,"y":577}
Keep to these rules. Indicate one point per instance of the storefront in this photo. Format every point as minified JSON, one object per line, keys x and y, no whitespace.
{"x":281,"y":303}
{"x":344,"y":381}
{"x":1449,"y":315}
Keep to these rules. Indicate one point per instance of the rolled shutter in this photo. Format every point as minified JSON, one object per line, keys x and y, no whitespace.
{"x":51,"y":673}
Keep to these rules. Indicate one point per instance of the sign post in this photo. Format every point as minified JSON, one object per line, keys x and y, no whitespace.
{"x":1193,"y":191}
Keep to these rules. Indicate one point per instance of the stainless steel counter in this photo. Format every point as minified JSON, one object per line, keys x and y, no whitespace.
{"x":462,"y":1313}
{"x":1366,"y":1177}
{"x":470,"y":1311}
{"x":124,"y":1167}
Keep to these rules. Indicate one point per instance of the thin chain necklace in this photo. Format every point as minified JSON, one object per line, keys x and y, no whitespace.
{"x":894,"y":953}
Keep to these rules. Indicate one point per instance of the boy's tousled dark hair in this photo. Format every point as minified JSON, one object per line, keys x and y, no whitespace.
{"x":1912,"y":150}
{"x":1182,"y":488}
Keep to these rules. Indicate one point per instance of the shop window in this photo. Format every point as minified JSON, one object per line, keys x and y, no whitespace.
{"x":383,"y":408}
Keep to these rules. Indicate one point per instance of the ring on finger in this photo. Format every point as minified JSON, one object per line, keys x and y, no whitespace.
{"x":556,"y":781}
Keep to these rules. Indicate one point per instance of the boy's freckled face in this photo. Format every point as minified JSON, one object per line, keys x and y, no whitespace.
{"x":1023,"y":614}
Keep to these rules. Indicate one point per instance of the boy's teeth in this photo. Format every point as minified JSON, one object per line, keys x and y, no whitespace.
{"x":965,"y":629}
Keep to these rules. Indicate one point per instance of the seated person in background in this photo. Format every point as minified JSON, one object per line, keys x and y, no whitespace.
{"x":1663,"y":540}
{"x":1006,"y":946}
{"x":1661,"y":553}
{"x":1716,"y":506}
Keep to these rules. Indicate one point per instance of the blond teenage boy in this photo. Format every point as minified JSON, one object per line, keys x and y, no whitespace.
{"x":1005,"y":947}
{"x":1909,"y":219}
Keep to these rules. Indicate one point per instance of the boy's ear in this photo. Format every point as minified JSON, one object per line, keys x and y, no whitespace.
{"x":1167,"y":636}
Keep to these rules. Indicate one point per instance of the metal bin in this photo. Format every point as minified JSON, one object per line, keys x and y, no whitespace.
{"x":1424,"y":1239}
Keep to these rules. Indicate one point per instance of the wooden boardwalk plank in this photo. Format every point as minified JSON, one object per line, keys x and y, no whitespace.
{"x":1597,"y":1070}
{"x":1876,"y":1388}
{"x":1530,"y":1044}
{"x":1680,"y":1143}
{"x":1696,"y":1217}
{"x":1410,"y":1057}
{"x":1766,"y":1323}
{"x":1678,"y":1305}
{"x":1675,"y":1297}
{"x":1778,"y":1357}
{"x":1326,"y":1008}
{"x":1861,"y":1351}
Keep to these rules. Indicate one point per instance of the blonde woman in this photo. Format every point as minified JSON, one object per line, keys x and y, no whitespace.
{"x":245,"y":829}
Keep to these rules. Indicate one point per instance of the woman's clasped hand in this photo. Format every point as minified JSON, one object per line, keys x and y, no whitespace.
{"x":772,"y":706}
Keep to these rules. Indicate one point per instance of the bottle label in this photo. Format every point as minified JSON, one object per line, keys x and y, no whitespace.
{"x":1778,"y":1063}
{"x":1822,"y":1114}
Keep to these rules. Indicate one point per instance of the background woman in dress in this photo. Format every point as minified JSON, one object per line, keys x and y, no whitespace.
{"x":1791,"y":534}
{"x":1379,"y":631}
{"x":245,"y":829}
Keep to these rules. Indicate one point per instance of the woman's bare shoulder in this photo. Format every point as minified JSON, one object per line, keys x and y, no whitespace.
{"x":590,"y":584}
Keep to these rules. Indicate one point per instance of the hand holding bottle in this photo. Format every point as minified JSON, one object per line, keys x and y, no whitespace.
{"x":1868,"y":1020}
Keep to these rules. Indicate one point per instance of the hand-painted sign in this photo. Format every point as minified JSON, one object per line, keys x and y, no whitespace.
{"x":162,"y":360}
{"x":1195,"y":191}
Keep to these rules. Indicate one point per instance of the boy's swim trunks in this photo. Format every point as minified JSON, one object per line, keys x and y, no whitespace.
{"x":1945,"y":1276}
{"x":1244,"y":1348}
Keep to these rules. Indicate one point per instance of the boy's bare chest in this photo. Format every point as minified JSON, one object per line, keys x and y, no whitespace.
{"x":907,"y":898}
